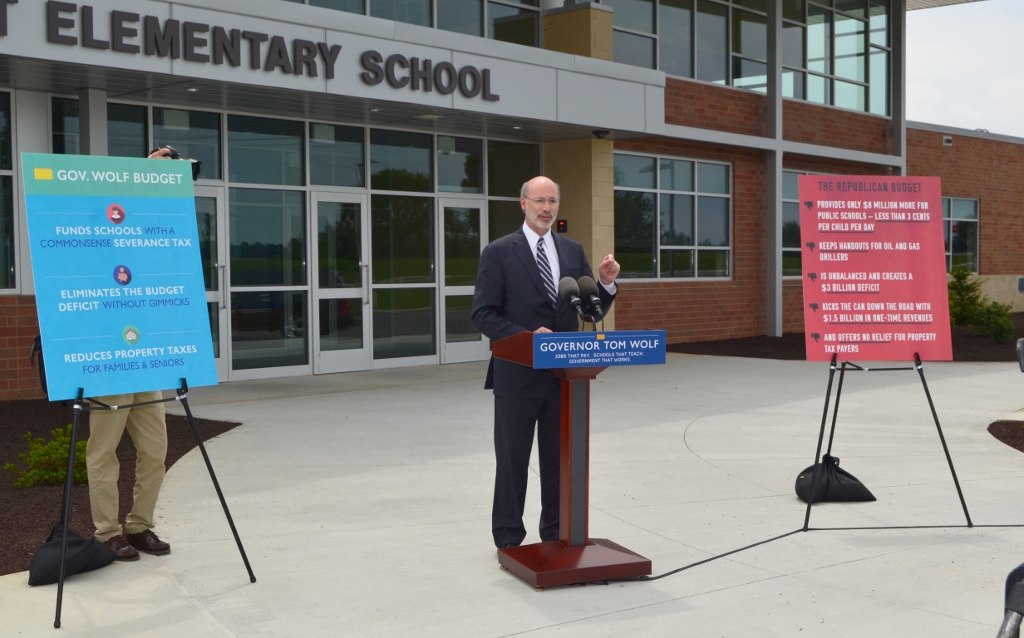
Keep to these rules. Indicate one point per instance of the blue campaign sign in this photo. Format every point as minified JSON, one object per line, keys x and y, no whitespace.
{"x":118,"y":275}
{"x":583,"y":349}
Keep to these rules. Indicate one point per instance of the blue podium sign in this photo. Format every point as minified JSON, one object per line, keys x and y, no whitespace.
{"x":118,"y":275}
{"x":586,"y":349}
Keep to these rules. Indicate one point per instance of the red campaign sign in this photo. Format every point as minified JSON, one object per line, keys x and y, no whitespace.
{"x":874,"y":265}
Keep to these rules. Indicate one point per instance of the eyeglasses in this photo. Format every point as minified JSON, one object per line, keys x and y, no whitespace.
{"x":540,"y":201}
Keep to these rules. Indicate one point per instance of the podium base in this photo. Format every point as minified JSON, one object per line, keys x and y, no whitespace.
{"x":554,"y":563}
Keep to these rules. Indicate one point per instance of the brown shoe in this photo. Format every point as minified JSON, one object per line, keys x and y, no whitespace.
{"x":121,"y":548}
{"x":147,"y":541}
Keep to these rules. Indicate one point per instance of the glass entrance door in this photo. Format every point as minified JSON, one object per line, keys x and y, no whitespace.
{"x":462,"y":236}
{"x":209,"y":215}
{"x":341,"y":310}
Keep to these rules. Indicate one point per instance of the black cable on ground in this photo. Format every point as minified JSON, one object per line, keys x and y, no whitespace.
{"x":847,"y":529}
{"x":775,"y":538}
{"x":706,"y":560}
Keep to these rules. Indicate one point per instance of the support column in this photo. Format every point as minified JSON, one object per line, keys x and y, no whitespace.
{"x":585,"y":173}
{"x":580,"y":28}
{"x":898,"y":82}
{"x":773,"y":175}
{"x":92,"y":117}
{"x":31,"y":136}
{"x":584,"y":168}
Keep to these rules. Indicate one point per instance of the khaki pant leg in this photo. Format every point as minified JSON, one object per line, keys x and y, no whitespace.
{"x":147,"y":425}
{"x":105,"y":430}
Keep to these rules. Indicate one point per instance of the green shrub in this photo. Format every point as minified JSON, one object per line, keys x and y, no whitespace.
{"x":965,"y":297}
{"x":968,"y":306}
{"x":47,"y":461}
{"x":994,"y":320}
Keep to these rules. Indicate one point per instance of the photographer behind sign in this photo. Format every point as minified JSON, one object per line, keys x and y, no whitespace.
{"x":147,"y":427}
{"x":168,"y":152}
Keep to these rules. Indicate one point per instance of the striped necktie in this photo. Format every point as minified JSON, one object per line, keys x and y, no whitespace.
{"x":545,"y":272}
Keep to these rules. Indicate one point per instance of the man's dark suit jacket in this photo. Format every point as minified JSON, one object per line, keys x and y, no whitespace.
{"x":510,"y":299}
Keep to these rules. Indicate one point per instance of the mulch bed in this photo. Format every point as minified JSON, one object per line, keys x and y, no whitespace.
{"x":1009,"y":432}
{"x":27,"y":515}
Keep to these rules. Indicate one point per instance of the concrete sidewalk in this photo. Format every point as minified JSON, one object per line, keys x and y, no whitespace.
{"x":363,"y":502}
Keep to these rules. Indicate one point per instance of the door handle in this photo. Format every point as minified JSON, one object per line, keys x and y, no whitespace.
{"x":223,"y":293}
{"x":366,"y":284}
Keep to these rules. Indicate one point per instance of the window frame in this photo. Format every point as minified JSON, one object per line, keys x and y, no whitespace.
{"x":947,"y":228}
{"x":16,"y":243}
{"x":484,"y":16}
{"x":784,"y":200}
{"x":658,"y":191}
{"x":872,"y":46}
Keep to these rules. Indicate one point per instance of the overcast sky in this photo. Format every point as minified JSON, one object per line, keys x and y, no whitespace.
{"x":965,"y":66}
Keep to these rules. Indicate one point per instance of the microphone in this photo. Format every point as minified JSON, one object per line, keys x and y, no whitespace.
{"x":569,"y":291}
{"x":591,"y":296}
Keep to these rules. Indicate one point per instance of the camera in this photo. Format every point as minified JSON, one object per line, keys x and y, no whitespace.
{"x":174,"y":154}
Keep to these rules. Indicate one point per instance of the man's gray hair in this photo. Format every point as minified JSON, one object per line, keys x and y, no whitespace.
{"x":526,"y":187}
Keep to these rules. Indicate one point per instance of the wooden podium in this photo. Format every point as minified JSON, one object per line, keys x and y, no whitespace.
{"x":574,"y":557}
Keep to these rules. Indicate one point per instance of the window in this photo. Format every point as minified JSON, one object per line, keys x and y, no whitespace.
{"x":461,"y":16}
{"x":846,"y":61}
{"x":503,"y":217}
{"x":195,"y":134}
{"x":336,"y":155}
{"x":509,"y":166}
{"x":834,"y":52}
{"x":672,"y":217}
{"x":126,"y":130}
{"x":402,"y":231}
{"x":459,"y":167}
{"x":64,"y":124}
{"x":408,"y":11}
{"x":960,"y":226}
{"x":268,"y":237}
{"x":791,"y":254}
{"x":675,"y":19}
{"x":8,"y":234}
{"x":400,"y":161}
{"x":351,"y":6}
{"x":265,"y":151}
{"x":633,"y":40}
{"x":515,"y":21}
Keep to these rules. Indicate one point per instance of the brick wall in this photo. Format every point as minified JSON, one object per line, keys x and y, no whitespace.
{"x":837,"y":167}
{"x":706,"y":310}
{"x":813,"y":124}
{"x":792,"y":305}
{"x":18,"y":326}
{"x":713,"y":107}
{"x":989,"y":171}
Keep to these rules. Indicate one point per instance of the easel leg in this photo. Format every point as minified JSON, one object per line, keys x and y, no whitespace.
{"x":821,"y":438}
{"x":65,"y":515}
{"x":835,"y":408}
{"x":920,"y":371}
{"x":183,"y":397}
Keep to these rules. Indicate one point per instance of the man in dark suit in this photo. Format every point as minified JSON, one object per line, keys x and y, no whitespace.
{"x":516,"y":291}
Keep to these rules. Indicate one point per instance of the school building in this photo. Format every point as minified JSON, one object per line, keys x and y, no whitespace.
{"x":357,"y":155}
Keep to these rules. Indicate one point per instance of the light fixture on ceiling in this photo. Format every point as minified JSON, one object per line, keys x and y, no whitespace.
{"x":374,"y":110}
{"x":192,"y":89}
{"x":517,"y":128}
{"x":427,"y":116}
